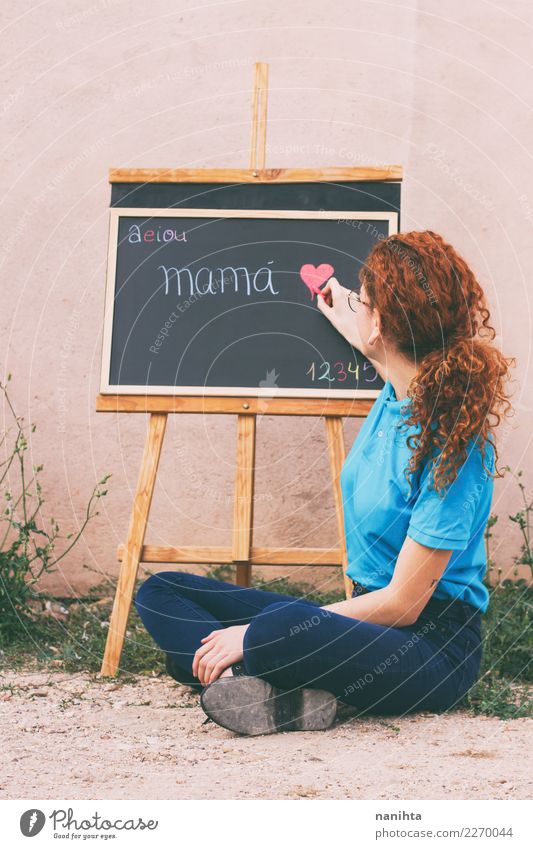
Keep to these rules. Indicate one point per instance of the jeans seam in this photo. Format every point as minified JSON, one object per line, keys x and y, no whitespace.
{"x":464,"y":671}
{"x":243,"y":601}
{"x":186,"y":601}
{"x":247,"y":602}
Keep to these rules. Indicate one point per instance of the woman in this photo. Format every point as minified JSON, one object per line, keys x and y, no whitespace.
{"x":417,"y":488}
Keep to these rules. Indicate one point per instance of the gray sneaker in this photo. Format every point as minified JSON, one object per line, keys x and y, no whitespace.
{"x":249,"y":705}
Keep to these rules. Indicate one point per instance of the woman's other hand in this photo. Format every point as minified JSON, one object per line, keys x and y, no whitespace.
{"x":333,"y":303}
{"x":219,"y":650}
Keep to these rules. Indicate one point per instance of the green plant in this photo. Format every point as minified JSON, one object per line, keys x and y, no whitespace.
{"x":523,"y":519}
{"x":493,"y":696}
{"x":507,"y":632}
{"x":503,"y":687}
{"x":488,"y":536}
{"x":27,"y":547}
{"x":505,"y":677}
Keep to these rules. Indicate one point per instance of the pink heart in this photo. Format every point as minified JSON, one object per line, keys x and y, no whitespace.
{"x":314,"y":276}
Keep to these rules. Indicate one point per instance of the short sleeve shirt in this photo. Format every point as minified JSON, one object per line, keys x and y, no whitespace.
{"x":381,"y":508}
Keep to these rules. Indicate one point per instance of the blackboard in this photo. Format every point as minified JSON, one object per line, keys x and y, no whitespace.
{"x":205,"y":292}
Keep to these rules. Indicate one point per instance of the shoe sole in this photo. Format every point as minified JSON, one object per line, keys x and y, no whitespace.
{"x":249,"y":705}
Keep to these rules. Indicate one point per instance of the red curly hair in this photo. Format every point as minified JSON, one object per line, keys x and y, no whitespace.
{"x":433,"y":310}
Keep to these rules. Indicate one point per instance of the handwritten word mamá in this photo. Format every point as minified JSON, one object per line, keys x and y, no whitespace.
{"x":207,"y":278}
{"x":343,"y":370}
{"x":136,"y":236}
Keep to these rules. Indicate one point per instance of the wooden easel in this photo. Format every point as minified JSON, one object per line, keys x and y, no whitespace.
{"x":242,"y":552}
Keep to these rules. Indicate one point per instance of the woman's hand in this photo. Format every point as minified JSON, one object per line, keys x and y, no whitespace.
{"x":334,"y":305}
{"x":220,"y":649}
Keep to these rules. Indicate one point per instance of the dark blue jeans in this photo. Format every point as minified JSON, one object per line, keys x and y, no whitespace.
{"x":293,"y":642}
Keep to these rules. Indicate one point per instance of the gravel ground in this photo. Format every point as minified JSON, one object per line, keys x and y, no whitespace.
{"x":77,"y":737}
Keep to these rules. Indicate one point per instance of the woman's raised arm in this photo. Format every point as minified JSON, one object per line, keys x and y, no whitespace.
{"x":334,"y":305}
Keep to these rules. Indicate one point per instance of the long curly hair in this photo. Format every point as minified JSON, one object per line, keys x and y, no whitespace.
{"x":434,"y":312}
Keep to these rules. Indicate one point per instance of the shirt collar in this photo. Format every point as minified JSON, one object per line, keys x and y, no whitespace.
{"x":391,"y":401}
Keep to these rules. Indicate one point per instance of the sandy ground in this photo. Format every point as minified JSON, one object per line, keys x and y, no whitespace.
{"x":77,"y":737}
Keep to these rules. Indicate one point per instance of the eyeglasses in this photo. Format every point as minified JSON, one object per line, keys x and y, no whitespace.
{"x":353,"y":295}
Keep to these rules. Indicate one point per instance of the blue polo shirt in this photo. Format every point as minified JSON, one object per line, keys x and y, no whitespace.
{"x":380,"y":508}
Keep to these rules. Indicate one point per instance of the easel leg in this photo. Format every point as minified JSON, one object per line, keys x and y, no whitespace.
{"x":244,"y":495}
{"x":134,"y":544}
{"x":244,"y":480}
{"x":259,"y":116}
{"x":337,"y":454}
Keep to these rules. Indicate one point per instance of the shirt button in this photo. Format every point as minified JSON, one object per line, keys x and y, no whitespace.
{"x":380,"y":433}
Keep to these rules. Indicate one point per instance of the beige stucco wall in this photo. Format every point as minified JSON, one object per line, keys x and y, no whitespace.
{"x":443,"y":88}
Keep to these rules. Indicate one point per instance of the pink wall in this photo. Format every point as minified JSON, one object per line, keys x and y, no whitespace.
{"x":443,"y":89}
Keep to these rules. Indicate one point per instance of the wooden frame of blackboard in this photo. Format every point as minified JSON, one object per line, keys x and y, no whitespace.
{"x":150,"y":213}
{"x":332,"y":174}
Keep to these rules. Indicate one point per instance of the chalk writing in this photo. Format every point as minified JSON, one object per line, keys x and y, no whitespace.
{"x":136,"y":236}
{"x":342,"y":371}
{"x":205,"y":282}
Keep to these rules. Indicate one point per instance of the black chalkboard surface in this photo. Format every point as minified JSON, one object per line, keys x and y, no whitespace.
{"x":222,"y":301}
